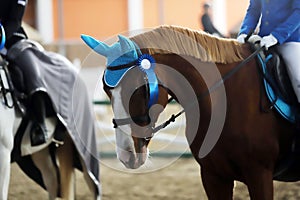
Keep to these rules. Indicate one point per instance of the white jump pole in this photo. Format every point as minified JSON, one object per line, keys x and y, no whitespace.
{"x":44,"y":19}
{"x":219,"y":15}
{"x":135,"y":15}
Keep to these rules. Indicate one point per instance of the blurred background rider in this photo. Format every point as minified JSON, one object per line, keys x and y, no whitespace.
{"x":207,"y":23}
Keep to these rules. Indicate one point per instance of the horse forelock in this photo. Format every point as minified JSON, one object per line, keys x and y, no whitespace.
{"x":184,"y":41}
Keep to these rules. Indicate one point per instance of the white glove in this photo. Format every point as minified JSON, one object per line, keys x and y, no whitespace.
{"x":268,"y":41}
{"x":241,"y":38}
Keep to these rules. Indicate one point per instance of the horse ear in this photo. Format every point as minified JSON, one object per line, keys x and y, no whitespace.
{"x":125,"y":43}
{"x":100,"y":47}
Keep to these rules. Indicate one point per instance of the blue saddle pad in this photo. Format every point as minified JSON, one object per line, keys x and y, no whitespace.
{"x":284,"y":109}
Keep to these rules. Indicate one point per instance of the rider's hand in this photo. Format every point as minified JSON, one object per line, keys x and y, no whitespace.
{"x":241,"y":38}
{"x":268,"y":41}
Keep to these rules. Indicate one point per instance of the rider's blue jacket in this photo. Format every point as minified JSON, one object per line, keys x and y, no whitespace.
{"x":281,"y":18}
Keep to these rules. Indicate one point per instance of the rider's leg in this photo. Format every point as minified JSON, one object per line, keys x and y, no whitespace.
{"x":290,"y":52}
{"x":34,"y":88}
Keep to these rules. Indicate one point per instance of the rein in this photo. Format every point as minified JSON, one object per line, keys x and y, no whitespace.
{"x":145,"y":118}
{"x":6,"y":87}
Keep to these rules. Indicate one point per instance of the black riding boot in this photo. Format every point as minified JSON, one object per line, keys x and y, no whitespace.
{"x":38,"y":132}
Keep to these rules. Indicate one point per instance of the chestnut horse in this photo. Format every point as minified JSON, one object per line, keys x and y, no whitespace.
{"x":227,"y":133}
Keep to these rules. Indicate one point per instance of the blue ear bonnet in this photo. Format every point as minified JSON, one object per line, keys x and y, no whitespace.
{"x":122,"y":52}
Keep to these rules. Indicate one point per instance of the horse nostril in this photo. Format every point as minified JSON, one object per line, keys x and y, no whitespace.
{"x":129,"y":150}
{"x":131,"y":163}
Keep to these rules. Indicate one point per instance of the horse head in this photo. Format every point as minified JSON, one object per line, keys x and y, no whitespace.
{"x":137,"y":98}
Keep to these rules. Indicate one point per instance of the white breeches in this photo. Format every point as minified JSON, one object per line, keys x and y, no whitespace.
{"x":290,"y":52}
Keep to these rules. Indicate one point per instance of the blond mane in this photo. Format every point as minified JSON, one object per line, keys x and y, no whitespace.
{"x":184,"y":41}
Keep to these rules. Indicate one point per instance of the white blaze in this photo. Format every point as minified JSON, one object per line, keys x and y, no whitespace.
{"x":124,"y":140}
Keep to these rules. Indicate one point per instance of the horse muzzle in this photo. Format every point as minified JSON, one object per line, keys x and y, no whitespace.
{"x":135,"y":158}
{"x":132,"y":160}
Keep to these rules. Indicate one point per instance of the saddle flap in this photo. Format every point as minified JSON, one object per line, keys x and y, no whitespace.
{"x":277,"y":69}
{"x":17,"y":77}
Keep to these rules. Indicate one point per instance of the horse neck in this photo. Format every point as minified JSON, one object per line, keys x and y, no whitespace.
{"x":189,"y":80}
{"x":184,"y":82}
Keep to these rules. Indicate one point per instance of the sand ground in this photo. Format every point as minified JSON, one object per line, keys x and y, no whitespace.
{"x":180,"y":180}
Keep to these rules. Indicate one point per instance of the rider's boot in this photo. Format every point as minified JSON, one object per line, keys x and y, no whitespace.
{"x":38,"y":132}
